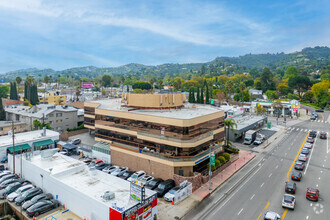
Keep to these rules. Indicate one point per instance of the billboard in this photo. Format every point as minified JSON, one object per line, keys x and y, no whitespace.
{"x":87,"y":85}
{"x":137,"y":192}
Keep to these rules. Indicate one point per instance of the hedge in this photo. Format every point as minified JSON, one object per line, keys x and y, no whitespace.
{"x":222,"y":160}
{"x":226,"y":156}
{"x":217,"y":163}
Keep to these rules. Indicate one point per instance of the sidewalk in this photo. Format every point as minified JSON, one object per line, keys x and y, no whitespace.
{"x":203,"y":191}
{"x":168,"y":211}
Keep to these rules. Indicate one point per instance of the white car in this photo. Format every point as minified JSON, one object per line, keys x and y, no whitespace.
{"x":308,"y":145}
{"x":302,"y":157}
{"x":109,"y":169}
{"x":136,"y":175}
{"x":272,"y":216}
{"x":258,"y":141}
{"x":142,"y":180}
{"x":119,"y":171}
{"x":288,"y":201}
{"x":170,"y":194}
{"x":12,"y":196}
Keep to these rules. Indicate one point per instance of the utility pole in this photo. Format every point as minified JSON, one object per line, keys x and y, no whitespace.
{"x":12,"y":127}
{"x":43,"y":119}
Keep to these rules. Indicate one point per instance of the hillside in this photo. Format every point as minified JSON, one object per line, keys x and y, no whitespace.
{"x":311,"y":59}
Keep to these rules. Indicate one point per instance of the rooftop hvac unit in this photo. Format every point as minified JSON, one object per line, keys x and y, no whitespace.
{"x":108,"y":195}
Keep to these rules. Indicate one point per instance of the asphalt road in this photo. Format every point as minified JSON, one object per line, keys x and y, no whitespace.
{"x":264,"y":188}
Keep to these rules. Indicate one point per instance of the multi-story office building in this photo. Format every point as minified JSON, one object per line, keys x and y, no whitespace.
{"x":52,"y":97}
{"x":157,"y":133}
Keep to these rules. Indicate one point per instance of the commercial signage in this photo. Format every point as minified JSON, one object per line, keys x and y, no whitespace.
{"x":212,"y":159}
{"x":137,"y":192}
{"x":134,"y":209}
{"x":87,"y":85}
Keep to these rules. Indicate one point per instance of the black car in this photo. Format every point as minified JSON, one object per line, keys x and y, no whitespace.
{"x":36,"y":199}
{"x":126,"y":174}
{"x":42,"y":207}
{"x":7,"y":177}
{"x":319,"y":110}
{"x":313,"y":118}
{"x":153,"y":183}
{"x":323,"y":135}
{"x":299,"y":165}
{"x":290,"y":187}
{"x":164,"y":187}
{"x":304,"y":151}
{"x":295,"y":175}
{"x":313,"y":134}
{"x":5,"y":183}
{"x":9,"y":189}
{"x":29,"y":194}
{"x":101,"y":166}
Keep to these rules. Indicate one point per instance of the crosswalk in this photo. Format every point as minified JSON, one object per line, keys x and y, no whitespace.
{"x":305,"y":130}
{"x":320,"y":121}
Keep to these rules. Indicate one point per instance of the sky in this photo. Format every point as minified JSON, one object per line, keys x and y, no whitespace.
{"x":63,"y":34}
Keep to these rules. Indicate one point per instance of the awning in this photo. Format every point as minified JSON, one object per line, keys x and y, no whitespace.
{"x":18,"y":148}
{"x":69,"y":146}
{"x":43,"y":143}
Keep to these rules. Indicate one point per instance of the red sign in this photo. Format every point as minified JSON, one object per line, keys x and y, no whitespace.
{"x":87,"y":85}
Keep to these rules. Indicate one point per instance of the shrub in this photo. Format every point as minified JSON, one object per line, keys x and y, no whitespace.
{"x":226,"y":156}
{"x":212,"y":168}
{"x":222,"y":160}
{"x":231,"y":150}
{"x":217,"y":163}
{"x":76,"y":128}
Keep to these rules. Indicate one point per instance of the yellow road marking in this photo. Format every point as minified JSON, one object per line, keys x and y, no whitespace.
{"x":284,"y":214}
{"x":322,"y":117}
{"x":294,"y":161}
{"x":263,"y":210}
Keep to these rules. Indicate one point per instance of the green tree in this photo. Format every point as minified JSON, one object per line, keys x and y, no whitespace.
{"x":2,"y":112}
{"x":193,"y":95}
{"x":34,"y":95}
{"x":37,"y":125}
{"x":106,"y":80}
{"x":271,"y":94}
{"x":226,"y":156}
{"x":207,"y":95}
{"x":202,"y":95}
{"x":18,"y":80}
{"x":291,"y":71}
{"x":222,"y":160}
{"x":267,"y":81}
{"x":300,"y":83}
{"x":142,"y":85}
{"x":258,"y":84}
{"x":277,"y":105}
{"x":254,"y":73}
{"x":13,"y":91}
{"x":4,"y":90}
{"x":308,"y":97}
{"x":229,"y":124}
{"x":217,"y":163}
{"x":198,"y":95}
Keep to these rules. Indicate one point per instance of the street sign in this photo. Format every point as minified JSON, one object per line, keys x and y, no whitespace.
{"x":269,"y":125}
{"x":212,"y":159}
{"x":212,"y":102}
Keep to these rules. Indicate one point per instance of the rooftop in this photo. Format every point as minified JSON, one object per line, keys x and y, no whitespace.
{"x":9,"y":123}
{"x":188,"y":111}
{"x":39,"y":110}
{"x":26,"y":136}
{"x":94,"y":184}
{"x":247,"y":120}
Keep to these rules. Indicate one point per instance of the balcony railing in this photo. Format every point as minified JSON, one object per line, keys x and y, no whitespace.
{"x":144,"y":149}
{"x":89,"y":123}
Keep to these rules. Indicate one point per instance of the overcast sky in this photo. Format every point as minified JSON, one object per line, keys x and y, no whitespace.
{"x":64,"y":34}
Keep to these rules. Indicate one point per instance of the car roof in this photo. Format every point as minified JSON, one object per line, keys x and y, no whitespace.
{"x":271,"y":215}
{"x":139,"y":172}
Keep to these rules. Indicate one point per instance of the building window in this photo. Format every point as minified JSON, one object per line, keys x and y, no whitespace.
{"x":51,"y":115}
{"x":50,"y":122}
{"x":58,"y":114}
{"x":1,"y":129}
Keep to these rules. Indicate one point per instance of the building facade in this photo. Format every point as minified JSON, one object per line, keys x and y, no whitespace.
{"x":7,"y":126}
{"x":59,"y":117}
{"x":287,"y":108}
{"x":54,"y":98}
{"x":157,"y":133}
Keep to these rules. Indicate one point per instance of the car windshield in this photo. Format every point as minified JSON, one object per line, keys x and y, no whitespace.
{"x":247,"y":139}
{"x":134,"y":176}
{"x":25,"y":193}
{"x":35,"y":199}
{"x":152,"y":183}
{"x":161,"y":186}
{"x":9,"y":187}
{"x":289,"y":185}
{"x":117,"y":170}
{"x":288,"y":199}
{"x":172,"y":191}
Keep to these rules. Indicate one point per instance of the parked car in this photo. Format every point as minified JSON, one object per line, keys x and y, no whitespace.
{"x":272,"y":216}
{"x":295,"y":175}
{"x":258,"y":141}
{"x":319,"y":110}
{"x":299,"y":165}
{"x":169,"y":196}
{"x":142,"y":180}
{"x":42,"y":207}
{"x":4,"y":160}
{"x":310,"y":140}
{"x":94,"y":163}
{"x":2,"y":167}
{"x":87,"y":161}
{"x":101,"y":166}
{"x":126,"y":174}
{"x":136,"y":175}
{"x":119,"y":171}
{"x":27,"y":195}
{"x":7,"y":177}
{"x":313,"y":118}
{"x":153,"y":183}
{"x":323,"y":135}
{"x":9,"y":189}
{"x":290,"y":187}
{"x":109,"y":169}
{"x":315,"y":114}
{"x":302,"y":157}
{"x":12,"y":196}
{"x":308,"y":145}
{"x":5,"y":173}
{"x":288,"y":201}
{"x":312,"y":134}
{"x":305,"y":151}
{"x":312,"y":194}
{"x":164,"y":187}
{"x":75,"y":141}
{"x":5,"y":183}
{"x":37,"y":198}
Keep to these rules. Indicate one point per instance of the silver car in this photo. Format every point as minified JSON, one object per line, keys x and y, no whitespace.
{"x":272,"y":216}
{"x":288,"y":201}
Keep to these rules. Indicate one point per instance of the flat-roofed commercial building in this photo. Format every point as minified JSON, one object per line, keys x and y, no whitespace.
{"x":157,"y":133}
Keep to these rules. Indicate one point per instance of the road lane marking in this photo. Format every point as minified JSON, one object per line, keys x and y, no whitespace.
{"x":321,"y":171}
{"x":307,"y":217}
{"x":270,"y":175}
{"x":240,"y":211}
{"x":317,"y":185}
{"x":310,"y":158}
{"x":263,"y":210}
{"x":285,"y":154}
{"x":252,"y":196}
{"x":327,"y":144}
{"x":276,"y":167}
{"x":281,"y":159}
{"x":311,"y":204}
{"x":322,"y":116}
{"x":319,"y":178}
{"x":284,"y":213}
{"x":294,"y":161}
{"x":262,"y":185}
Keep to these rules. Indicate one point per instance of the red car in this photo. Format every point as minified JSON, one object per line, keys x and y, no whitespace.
{"x":312,"y":194}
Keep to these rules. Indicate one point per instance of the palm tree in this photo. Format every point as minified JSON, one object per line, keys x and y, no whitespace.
{"x":229,"y":86}
{"x":229,"y":124}
{"x":242,"y":88}
{"x":278,"y":106}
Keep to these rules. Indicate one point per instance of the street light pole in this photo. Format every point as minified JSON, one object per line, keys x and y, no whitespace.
{"x":210,"y":172}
